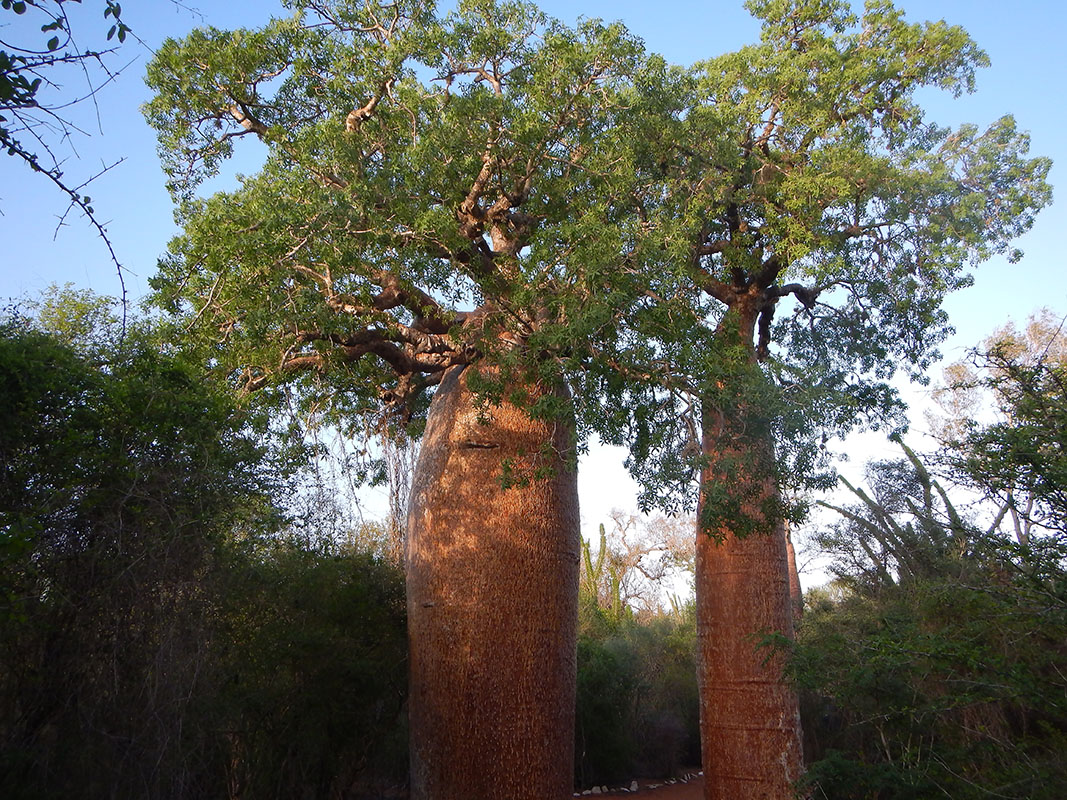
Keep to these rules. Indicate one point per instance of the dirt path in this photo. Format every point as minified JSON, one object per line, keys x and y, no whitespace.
{"x":692,"y":789}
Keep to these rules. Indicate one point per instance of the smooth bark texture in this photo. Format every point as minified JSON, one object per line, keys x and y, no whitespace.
{"x":492,"y":577}
{"x":749,"y":713}
{"x":796,"y":591}
{"x":749,"y":716}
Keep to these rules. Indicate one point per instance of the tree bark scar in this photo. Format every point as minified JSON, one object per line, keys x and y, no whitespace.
{"x":492,"y":605}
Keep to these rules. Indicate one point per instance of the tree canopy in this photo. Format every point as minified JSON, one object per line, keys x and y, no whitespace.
{"x":437,"y":190}
{"x":804,"y":168}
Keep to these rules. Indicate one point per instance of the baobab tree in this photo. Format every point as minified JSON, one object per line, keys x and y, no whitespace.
{"x":800,"y":174}
{"x":440,"y":214}
{"x":517,"y":219}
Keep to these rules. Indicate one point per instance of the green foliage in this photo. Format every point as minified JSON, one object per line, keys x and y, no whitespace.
{"x":310,"y":662}
{"x":1021,"y":458}
{"x":812,"y":219}
{"x":938,"y":689}
{"x":438,"y":190}
{"x":488,"y":186}
{"x":936,"y":670}
{"x":157,"y":639}
{"x":118,"y":478}
{"x":638,"y":712}
{"x":84,"y":321}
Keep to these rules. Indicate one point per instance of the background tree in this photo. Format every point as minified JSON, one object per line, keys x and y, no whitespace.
{"x":439,"y":213}
{"x":908,"y":530}
{"x":162,"y":635}
{"x":1017,"y":458}
{"x":120,"y":472}
{"x":636,"y":566}
{"x":637,"y":709}
{"x":934,"y":670}
{"x":802,"y":168}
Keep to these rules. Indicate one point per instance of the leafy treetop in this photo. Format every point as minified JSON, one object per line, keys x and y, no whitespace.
{"x":803,"y":167}
{"x":437,"y":190}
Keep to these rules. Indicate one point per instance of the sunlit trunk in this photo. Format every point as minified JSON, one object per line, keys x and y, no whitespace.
{"x":796,"y":591}
{"x":749,"y":714}
{"x":492,"y":577}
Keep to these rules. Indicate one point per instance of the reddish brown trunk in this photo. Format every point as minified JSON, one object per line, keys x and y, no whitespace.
{"x":796,"y":592}
{"x":749,"y":714}
{"x":492,"y":606}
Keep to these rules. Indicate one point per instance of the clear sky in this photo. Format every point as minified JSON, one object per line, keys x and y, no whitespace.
{"x":1024,"y":40}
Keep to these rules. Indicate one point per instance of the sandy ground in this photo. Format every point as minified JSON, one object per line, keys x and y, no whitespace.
{"x":689,"y":790}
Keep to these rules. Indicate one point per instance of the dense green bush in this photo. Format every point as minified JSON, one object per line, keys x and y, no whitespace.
{"x":311,"y":659}
{"x":638,"y":711}
{"x":160,"y":637}
{"x":119,"y":472}
{"x":936,"y":669}
{"x":938,"y":689}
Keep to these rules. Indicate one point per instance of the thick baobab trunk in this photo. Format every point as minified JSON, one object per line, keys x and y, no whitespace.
{"x":749,"y":714}
{"x":492,"y":577}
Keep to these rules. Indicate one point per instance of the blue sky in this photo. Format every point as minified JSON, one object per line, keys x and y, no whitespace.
{"x":1028,"y":73}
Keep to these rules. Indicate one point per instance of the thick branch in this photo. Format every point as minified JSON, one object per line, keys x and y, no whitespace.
{"x":404,"y":360}
{"x":766,"y":315}
{"x":430,"y":317}
{"x":769,"y":272}
{"x":470,"y":213}
{"x":358,"y":116}
{"x":712,"y":248}
{"x":240,"y":112}
{"x":806,"y":295}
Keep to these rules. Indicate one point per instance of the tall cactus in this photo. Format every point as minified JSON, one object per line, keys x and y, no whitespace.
{"x":601,"y":579}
